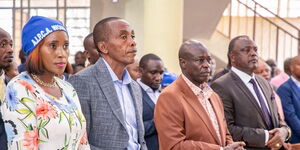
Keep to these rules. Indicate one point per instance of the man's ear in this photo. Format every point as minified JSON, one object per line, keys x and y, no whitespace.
{"x":232,"y":57}
{"x":182,"y":63}
{"x":102,"y":47}
{"x":141,"y":70}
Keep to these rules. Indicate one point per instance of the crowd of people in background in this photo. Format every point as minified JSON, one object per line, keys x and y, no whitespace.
{"x":110,"y":99}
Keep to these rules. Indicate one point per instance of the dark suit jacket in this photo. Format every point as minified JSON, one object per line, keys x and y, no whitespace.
{"x":3,"y":140}
{"x":100,"y":105}
{"x":290,"y":97}
{"x":148,"y":114}
{"x":182,"y":122}
{"x":243,"y":114}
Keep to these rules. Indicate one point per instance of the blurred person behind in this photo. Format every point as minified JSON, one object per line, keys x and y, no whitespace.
{"x":283,"y":76}
{"x":289,"y":93}
{"x":11,"y":71}
{"x":22,"y":57}
{"x":264,"y":70}
{"x":90,"y":50}
{"x":134,"y":70}
{"x":42,"y":111}
{"x":167,"y":79}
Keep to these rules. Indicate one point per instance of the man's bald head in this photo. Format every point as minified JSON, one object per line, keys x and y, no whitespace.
{"x":195,"y":61}
{"x":188,"y":46}
{"x":102,"y":29}
{"x":3,"y":33}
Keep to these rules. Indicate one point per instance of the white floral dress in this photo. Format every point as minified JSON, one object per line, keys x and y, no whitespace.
{"x":35,"y":120}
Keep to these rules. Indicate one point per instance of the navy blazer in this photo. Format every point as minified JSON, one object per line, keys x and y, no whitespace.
{"x":3,"y":140}
{"x":289,"y":94}
{"x":148,"y":114}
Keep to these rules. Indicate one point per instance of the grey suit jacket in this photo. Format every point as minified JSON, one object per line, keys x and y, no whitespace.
{"x":106,"y":127}
{"x":243,"y":114}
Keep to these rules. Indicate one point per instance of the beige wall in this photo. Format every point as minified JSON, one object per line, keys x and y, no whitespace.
{"x":163,"y":30}
{"x":157,"y":24}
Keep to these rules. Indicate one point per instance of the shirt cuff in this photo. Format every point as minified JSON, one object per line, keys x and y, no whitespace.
{"x":221,"y":148}
{"x":267,"y":136}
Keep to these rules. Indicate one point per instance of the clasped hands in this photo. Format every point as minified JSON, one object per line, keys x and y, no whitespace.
{"x":235,"y":146}
{"x":277,"y":137}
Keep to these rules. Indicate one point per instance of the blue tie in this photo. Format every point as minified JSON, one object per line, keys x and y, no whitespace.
{"x":264,"y":108}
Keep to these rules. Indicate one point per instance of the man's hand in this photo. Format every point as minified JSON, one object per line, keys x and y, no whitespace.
{"x":277,"y":138}
{"x":235,"y":146}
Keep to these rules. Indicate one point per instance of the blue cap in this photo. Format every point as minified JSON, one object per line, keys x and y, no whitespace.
{"x":168,"y":78}
{"x":36,"y":29}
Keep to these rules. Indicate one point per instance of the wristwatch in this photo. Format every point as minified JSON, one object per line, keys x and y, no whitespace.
{"x":288,"y":129}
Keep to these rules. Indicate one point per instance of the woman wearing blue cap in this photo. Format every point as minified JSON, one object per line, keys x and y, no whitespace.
{"x":42,"y":111}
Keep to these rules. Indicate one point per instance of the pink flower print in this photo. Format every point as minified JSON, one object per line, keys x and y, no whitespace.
{"x":27,"y":85}
{"x":31,"y":139}
{"x":45,"y":110}
{"x":83,"y":140}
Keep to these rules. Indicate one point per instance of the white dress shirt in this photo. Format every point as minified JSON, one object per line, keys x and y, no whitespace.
{"x":152,"y":94}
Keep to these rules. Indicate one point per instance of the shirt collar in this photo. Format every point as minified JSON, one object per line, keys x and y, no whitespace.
{"x":146,"y":87}
{"x":243,"y":76}
{"x":203,"y":91}
{"x":125,"y":75}
{"x":296,"y":81}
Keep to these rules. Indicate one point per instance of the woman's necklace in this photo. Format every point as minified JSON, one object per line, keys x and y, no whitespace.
{"x":38,"y":80}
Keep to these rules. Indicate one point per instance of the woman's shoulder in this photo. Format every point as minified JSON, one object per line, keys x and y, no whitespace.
{"x":21,"y":79}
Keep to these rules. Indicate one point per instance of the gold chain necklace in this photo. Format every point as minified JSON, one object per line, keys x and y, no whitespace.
{"x":38,"y":80}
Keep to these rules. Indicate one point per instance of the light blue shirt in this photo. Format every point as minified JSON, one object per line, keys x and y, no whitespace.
{"x":127,"y":105}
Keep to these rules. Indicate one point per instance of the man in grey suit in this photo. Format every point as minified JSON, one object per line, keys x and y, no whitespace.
{"x":111,"y":101}
{"x":249,"y":104}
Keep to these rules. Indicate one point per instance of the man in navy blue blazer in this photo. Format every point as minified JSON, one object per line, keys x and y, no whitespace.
{"x":151,"y":68}
{"x":289,"y":93}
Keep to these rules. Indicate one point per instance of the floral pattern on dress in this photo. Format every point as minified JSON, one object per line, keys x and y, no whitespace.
{"x":36,"y":120}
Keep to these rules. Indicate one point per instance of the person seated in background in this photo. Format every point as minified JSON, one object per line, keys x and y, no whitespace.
{"x":79,"y":59}
{"x":289,"y":93}
{"x":167,"y":79}
{"x":77,"y":68}
{"x":134,"y":70}
{"x":283,"y":76}
{"x":189,"y":115}
{"x":11,"y":71}
{"x":90,"y":50}
{"x":22,"y":57}
{"x":264,"y":70}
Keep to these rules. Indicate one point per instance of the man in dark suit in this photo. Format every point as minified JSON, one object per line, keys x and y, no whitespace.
{"x":6,"y":58}
{"x":249,"y":104}
{"x":111,"y":101}
{"x":151,"y":68}
{"x":289,"y":92}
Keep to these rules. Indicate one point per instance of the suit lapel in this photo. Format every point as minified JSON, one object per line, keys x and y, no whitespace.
{"x":294,"y":87}
{"x":147,"y":99}
{"x":248,"y":93}
{"x":138,"y":110}
{"x":218,"y":113}
{"x":192,"y":99}
{"x":269,"y":100}
{"x":105,"y":82}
